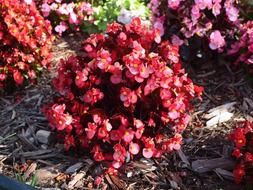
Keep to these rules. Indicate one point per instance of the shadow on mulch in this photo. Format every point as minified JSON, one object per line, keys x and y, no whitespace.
{"x":23,"y":152}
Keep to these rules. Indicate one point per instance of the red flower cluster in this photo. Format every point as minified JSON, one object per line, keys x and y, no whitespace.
{"x":25,"y":39}
{"x":242,"y":137}
{"x":127,"y":96}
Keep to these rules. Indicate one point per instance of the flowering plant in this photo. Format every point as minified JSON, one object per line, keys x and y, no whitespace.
{"x":210,"y":20}
{"x":127,"y":96}
{"x":25,"y":40}
{"x":242,"y":137}
{"x":243,"y":47}
{"x":65,"y":16}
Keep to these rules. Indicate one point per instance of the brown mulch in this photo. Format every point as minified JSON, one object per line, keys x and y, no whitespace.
{"x":203,"y":163}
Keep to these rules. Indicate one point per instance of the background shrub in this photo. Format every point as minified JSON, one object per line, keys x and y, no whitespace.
{"x":242,"y":49}
{"x":198,"y":26}
{"x":121,"y":10}
{"x":66,"y":16}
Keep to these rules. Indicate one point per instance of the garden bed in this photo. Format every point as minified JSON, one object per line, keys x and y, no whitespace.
{"x":25,"y":148}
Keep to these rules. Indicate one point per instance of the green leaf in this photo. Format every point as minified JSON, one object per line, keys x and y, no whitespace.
{"x":34,"y":181}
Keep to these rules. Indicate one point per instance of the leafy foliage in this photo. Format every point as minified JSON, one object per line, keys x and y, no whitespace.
{"x":109,"y":11}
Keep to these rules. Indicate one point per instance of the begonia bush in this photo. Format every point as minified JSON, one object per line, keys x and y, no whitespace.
{"x":127,"y":96}
{"x":242,"y":49}
{"x":65,"y":15}
{"x":242,"y":137}
{"x":25,"y":40}
{"x":200,"y":24}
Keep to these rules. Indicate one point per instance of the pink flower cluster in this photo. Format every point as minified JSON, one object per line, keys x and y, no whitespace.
{"x":127,"y":96}
{"x":243,"y":48}
{"x":201,"y":18}
{"x":157,"y":18}
{"x":64,"y":16}
{"x":25,"y":41}
{"x":242,"y":137}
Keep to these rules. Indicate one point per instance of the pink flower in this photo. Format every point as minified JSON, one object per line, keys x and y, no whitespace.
{"x":128,"y":97}
{"x":73,"y":18}
{"x":165,"y":94}
{"x":2,"y":77}
{"x":54,"y":6}
{"x":151,"y":85}
{"x":91,"y":130}
{"x":250,"y":47}
{"x":62,"y":27}
{"x":217,"y":41}
{"x":134,"y":148}
{"x":98,"y":155}
{"x":116,"y":164}
{"x":70,"y":7}
{"x":107,"y":125}
{"x":86,"y":7}
{"x":29,"y":2}
{"x":176,"y":40}
{"x":173,"y":114}
{"x":45,"y":9}
{"x":81,"y":77}
{"x":119,"y":153}
{"x":216,"y":9}
{"x":62,"y":120}
{"x":128,"y":136}
{"x":63,"y":9}
{"x":97,"y":119}
{"x":232,"y":13}
{"x":32,"y":74}
{"x":93,"y":95}
{"x":102,"y":133}
{"x":137,"y":69}
{"x":147,"y":152}
{"x":195,"y":14}
{"x":98,"y":180}
{"x":173,"y":4}
{"x":18,"y":78}
{"x":139,"y":132}
{"x":203,"y":4}
{"x":138,"y":123}
{"x":103,"y":59}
